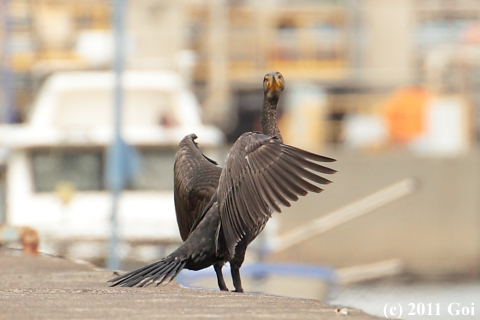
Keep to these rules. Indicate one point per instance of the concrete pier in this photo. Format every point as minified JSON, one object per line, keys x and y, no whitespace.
{"x":45,"y":287}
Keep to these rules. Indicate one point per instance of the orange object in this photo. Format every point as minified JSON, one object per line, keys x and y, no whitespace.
{"x":29,"y":240}
{"x":27,"y":236}
{"x":404,"y":114}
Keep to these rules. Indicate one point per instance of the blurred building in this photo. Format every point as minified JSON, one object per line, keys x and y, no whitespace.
{"x":360,"y":51}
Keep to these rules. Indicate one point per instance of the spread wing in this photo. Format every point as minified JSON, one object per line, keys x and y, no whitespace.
{"x":261,"y":173}
{"x":195,"y":182}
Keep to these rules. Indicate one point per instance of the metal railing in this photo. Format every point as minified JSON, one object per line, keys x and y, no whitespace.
{"x":346,"y":213}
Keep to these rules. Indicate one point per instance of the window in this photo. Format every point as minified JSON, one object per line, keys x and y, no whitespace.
{"x":156,"y":169}
{"x":83,"y":168}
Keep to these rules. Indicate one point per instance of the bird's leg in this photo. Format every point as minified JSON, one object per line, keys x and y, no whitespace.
{"x":236,"y":263}
{"x":237,"y":281}
{"x":218,"y":270}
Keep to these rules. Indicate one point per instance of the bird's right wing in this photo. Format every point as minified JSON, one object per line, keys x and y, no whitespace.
{"x":261,"y":173}
{"x":195,"y":182}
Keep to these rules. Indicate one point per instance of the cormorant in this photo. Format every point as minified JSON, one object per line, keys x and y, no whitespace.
{"x":260,"y":174}
{"x":196,"y":176}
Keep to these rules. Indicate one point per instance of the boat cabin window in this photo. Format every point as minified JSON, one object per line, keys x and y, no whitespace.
{"x":156,"y":169}
{"x":83,"y":169}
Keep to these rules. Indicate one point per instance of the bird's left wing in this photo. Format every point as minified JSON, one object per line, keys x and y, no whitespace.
{"x":260,"y":174}
{"x":195,"y":182}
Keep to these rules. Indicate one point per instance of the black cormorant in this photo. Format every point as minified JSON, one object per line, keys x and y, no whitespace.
{"x":260,"y":174}
{"x":196,"y":176}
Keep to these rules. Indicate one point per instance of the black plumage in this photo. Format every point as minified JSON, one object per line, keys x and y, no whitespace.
{"x":195,"y":182}
{"x":196,"y":176}
{"x":260,"y":174}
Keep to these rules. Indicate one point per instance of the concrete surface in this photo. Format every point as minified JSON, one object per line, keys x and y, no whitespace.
{"x":53,"y":288}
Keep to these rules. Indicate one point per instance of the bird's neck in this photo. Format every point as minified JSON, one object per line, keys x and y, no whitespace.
{"x":269,"y":118}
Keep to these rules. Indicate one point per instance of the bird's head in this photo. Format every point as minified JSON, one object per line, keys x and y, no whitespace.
{"x":273,"y":84}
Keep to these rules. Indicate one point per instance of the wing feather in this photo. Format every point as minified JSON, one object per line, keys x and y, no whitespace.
{"x":195,"y":182}
{"x":264,"y":193}
{"x":260,"y":175}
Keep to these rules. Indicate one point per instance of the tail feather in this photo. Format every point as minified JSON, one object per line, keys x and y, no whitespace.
{"x":138,"y":274}
{"x":159,"y":271}
{"x":175,"y":270}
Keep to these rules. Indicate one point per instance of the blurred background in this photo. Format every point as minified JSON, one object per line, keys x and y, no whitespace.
{"x":389,"y":88}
